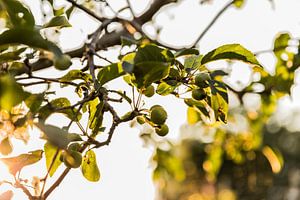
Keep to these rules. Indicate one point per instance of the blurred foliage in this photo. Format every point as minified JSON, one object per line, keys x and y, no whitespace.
{"x":248,"y":158}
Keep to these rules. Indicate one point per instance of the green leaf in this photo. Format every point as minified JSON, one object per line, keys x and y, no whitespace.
{"x":69,"y":11}
{"x":219,"y":100}
{"x":281,"y":43}
{"x":31,"y":38}
{"x":59,"y":103}
{"x":193,"y":62}
{"x":89,"y":167}
{"x":19,"y":15}
{"x":15,"y":164}
{"x":58,"y":21}
{"x":75,"y":75}
{"x":185,"y":52}
{"x":200,"y":105}
{"x":11,"y":56}
{"x":146,"y":73}
{"x":95,"y":109}
{"x":231,"y":52}
{"x":165,"y":89}
{"x":110,"y":72}
{"x":56,"y":136}
{"x":52,"y":154}
{"x":11,"y":93}
{"x":34,"y":102}
{"x":150,"y":53}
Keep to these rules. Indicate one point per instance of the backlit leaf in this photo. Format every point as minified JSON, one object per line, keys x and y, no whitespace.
{"x":52,"y":154}
{"x":230,"y":52}
{"x":89,"y":167}
{"x":15,"y":164}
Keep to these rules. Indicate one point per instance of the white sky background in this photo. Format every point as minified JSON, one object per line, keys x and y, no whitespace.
{"x":124,"y":164}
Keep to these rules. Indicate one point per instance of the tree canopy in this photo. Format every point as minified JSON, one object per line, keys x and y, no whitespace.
{"x":146,"y":66}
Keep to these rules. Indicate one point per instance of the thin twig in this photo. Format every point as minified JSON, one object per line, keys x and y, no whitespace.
{"x":212,"y":22}
{"x":86,"y":10}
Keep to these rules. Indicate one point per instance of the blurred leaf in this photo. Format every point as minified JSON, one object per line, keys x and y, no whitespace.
{"x":110,"y":72}
{"x":126,"y":41}
{"x":193,"y":115}
{"x":89,"y":167}
{"x":231,"y":52}
{"x":5,"y":146}
{"x":8,"y":195}
{"x":11,"y":93}
{"x":19,"y":15}
{"x":185,"y":52}
{"x":15,"y":164}
{"x":281,"y":43}
{"x":274,"y":157}
{"x":29,"y":37}
{"x":11,"y":56}
{"x":56,"y":136}
{"x":58,"y":21}
{"x":34,"y":102}
{"x":52,"y":154}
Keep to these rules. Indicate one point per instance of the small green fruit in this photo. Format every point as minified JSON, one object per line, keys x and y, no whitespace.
{"x":63,"y":62}
{"x":72,"y":159}
{"x":149,"y":91}
{"x":201,"y":80}
{"x":198,"y":94}
{"x":158,"y":115}
{"x":74,"y":147}
{"x":162,"y":131}
{"x":155,"y":106}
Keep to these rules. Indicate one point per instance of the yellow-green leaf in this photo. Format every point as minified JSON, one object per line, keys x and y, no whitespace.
{"x":89,"y":167}
{"x":52,"y":154}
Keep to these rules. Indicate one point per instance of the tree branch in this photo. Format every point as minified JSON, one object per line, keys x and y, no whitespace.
{"x":107,"y":40}
{"x":212,"y":22}
{"x":86,"y":10}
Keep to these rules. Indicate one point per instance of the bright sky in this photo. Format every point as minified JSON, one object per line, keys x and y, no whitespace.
{"x":124,"y":165}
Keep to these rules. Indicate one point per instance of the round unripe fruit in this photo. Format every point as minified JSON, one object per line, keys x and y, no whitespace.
{"x":63,"y":62}
{"x":73,"y":159}
{"x":149,"y":91}
{"x":162,"y":131}
{"x":74,"y":147}
{"x":201,"y":80}
{"x":155,"y":106}
{"x":158,"y":115}
{"x":198,"y":94}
